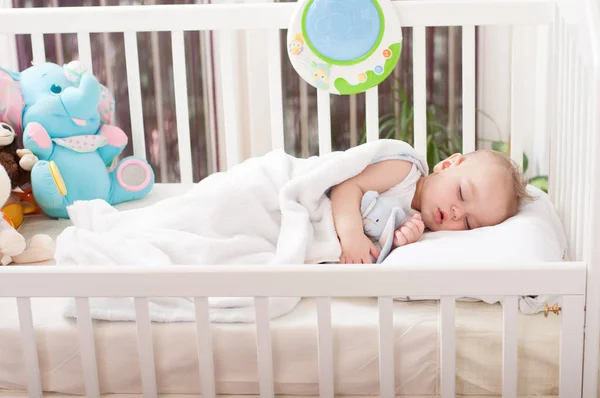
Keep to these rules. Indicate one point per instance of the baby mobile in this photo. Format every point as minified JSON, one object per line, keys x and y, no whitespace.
{"x":344,"y":47}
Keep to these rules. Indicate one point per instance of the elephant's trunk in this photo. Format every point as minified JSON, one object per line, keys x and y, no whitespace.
{"x":82,"y":102}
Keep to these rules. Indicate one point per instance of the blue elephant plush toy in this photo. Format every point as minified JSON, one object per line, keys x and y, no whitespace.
{"x":65,"y":115}
{"x":381,"y":217}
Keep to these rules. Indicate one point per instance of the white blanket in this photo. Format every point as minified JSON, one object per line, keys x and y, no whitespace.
{"x":272,"y":209}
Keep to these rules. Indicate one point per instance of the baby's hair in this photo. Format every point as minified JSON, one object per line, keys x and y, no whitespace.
{"x":518,"y":182}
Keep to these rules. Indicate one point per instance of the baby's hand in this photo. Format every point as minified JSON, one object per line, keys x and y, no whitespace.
{"x":409,"y":232}
{"x":357,"y":249}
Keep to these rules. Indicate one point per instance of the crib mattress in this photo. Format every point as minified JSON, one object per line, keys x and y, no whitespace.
{"x":295,"y":358}
{"x":479,"y":351}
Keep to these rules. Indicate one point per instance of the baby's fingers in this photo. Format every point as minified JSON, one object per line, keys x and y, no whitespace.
{"x":399,"y":238}
{"x":420,"y":226}
{"x":408,"y":232}
{"x":374,"y":252}
{"x":414,"y":229}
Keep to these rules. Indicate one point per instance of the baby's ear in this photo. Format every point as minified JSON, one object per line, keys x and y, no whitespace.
{"x":451,"y":161}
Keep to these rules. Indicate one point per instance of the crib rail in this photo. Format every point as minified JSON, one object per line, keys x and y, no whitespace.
{"x":420,"y":279}
{"x":320,"y":281}
{"x":259,"y":16}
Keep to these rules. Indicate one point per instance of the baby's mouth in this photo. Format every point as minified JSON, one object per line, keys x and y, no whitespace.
{"x":439,"y":216}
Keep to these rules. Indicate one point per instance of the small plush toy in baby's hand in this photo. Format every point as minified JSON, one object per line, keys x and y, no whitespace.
{"x":381,"y":217}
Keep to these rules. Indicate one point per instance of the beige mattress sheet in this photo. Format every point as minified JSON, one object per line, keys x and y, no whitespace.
{"x":295,"y":358}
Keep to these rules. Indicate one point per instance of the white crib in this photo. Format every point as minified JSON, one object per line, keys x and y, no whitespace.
{"x":574,"y":85}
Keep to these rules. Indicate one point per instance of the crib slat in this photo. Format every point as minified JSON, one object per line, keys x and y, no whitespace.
{"x":554,"y":98}
{"x":577,"y":172}
{"x":275,"y":90}
{"x":509,"y":347}
{"x":84,"y":46}
{"x":132,"y":63}
{"x":468,"y":88}
{"x":228,"y":51}
{"x":387,"y":387}
{"x":420,"y":90}
{"x":181,"y":106}
{"x":205,"y":352}
{"x":87,"y":346}
{"x":145,"y":347}
{"x":448,"y":345}
{"x":325,"y":343}
{"x":583,"y":161}
{"x":565,"y":81}
{"x":372,"y":110}
{"x":263,"y":340}
{"x":34,"y":381}
{"x":589,"y":134}
{"x":37,"y":48}
{"x":567,"y":163}
{"x":592,"y":327}
{"x":324,"y":122}
{"x":571,"y":346}
{"x":560,"y":84}
{"x":519,"y":103}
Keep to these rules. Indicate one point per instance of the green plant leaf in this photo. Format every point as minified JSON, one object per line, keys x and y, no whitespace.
{"x":407,"y":122}
{"x":433,"y":154}
{"x":500,"y":146}
{"x":540,"y":182}
{"x":457,"y":143}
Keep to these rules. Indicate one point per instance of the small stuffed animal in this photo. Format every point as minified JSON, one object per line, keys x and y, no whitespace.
{"x":11,"y":158}
{"x":381,"y":217}
{"x":13,"y":248}
{"x":65,"y":116}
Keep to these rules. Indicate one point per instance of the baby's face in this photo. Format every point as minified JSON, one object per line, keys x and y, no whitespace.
{"x":465,"y":194}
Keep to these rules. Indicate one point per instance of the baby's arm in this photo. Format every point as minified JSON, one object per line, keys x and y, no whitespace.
{"x":345,"y":201}
{"x":409,"y":232}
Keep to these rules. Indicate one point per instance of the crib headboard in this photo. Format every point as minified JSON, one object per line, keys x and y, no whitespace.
{"x":574,"y":80}
{"x":575,"y":164}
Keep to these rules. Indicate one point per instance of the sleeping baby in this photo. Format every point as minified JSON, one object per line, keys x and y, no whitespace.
{"x":476,"y":190}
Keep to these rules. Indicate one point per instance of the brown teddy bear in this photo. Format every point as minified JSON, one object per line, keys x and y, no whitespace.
{"x":14,"y":174}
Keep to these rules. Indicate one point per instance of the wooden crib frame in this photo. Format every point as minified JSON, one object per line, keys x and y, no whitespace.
{"x":575,"y":170}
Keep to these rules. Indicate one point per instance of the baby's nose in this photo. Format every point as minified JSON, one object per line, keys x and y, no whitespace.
{"x":456,"y":212}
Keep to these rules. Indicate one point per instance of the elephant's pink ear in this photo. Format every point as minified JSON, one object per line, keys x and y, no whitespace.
{"x":11,"y":102}
{"x":106,"y":106}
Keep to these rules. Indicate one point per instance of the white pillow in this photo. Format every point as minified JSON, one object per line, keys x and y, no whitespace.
{"x":534,"y":234}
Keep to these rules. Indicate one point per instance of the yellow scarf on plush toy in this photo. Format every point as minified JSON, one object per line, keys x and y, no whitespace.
{"x":17,"y":205}
{"x":13,"y":214}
